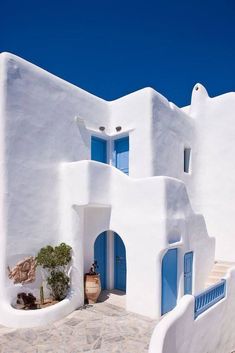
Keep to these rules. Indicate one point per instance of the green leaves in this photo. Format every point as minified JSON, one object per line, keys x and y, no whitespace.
{"x":54,"y":259}
{"x":49,"y":257}
{"x":59,"y":284}
{"x":62,"y":254}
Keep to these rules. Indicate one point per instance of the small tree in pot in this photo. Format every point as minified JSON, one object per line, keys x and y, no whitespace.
{"x":56,"y":260}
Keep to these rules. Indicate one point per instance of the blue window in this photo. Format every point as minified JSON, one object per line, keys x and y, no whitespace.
{"x":187,"y":160}
{"x":121,"y":149}
{"x":98,"y":149}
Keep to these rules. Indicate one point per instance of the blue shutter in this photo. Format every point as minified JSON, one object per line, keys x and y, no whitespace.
{"x":188,"y":272}
{"x":121,"y":147}
{"x":98,"y":149}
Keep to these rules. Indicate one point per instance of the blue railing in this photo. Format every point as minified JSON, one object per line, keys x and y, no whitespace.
{"x":209,"y":297}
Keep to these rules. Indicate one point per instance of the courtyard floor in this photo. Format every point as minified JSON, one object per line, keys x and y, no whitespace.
{"x":101,"y":328}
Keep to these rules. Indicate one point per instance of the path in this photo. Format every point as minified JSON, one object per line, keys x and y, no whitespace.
{"x":100,"y":328}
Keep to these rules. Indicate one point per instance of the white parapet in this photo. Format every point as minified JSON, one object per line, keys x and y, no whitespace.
{"x":212,"y":331}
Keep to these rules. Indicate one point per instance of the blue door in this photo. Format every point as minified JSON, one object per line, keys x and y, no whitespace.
{"x":169,"y":281}
{"x":188,"y":272}
{"x":99,"y":154}
{"x":121,"y":149}
{"x":100,"y":251}
{"x":98,"y":149}
{"x":119,"y":263}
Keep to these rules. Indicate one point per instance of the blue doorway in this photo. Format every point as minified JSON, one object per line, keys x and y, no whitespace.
{"x":188,"y":272}
{"x":169,"y":281}
{"x":121,"y":149}
{"x":100,"y":256}
{"x":119,"y":263}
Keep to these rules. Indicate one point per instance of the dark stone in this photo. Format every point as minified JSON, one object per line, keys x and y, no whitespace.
{"x":28,"y":300}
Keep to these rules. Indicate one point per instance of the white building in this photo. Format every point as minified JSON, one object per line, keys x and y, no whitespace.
{"x":162,"y":180}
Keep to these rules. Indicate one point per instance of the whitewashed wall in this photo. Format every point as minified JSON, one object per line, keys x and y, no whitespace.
{"x":150,"y":214}
{"x":213,"y":167}
{"x":38,"y":131}
{"x":39,"y":134}
{"x":159,"y":131}
{"x":212,"y":332}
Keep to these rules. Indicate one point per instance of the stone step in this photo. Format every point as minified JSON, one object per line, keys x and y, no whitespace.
{"x":224,"y":264}
{"x":218,"y":273}
{"x":211,"y":283}
{"x":228,"y":263}
{"x":213,"y":279}
{"x":222,"y":267}
{"x":208,"y":284}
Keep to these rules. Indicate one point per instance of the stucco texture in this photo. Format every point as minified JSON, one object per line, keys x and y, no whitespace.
{"x":50,"y":192}
{"x":212,"y":332}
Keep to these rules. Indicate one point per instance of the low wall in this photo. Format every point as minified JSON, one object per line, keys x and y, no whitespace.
{"x":212,"y":332}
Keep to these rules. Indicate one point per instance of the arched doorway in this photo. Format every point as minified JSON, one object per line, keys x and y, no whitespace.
{"x":169,"y":281}
{"x":110,"y":254}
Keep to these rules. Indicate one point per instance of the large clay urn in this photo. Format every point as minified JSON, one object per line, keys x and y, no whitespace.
{"x":92,"y":287}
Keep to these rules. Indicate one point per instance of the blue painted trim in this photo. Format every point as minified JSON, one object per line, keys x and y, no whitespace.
{"x":209,"y":297}
{"x":119,"y":275}
{"x":169,"y":280}
{"x":188,"y":272}
{"x":98,"y":149}
{"x":100,"y":255}
{"x":115,"y":265}
{"x":121,"y":146}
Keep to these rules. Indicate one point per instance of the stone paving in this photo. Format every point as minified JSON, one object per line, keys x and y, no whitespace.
{"x":99,"y":328}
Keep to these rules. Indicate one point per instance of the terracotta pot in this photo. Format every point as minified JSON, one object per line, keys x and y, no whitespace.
{"x":92,"y":288}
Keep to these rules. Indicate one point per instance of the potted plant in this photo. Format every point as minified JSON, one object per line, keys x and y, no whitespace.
{"x":92,"y":284}
{"x":55,"y":261}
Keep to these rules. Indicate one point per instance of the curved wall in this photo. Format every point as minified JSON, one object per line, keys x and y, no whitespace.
{"x":147,"y":213}
{"x":212,"y":332}
{"x":46,"y":197}
{"x":213,"y":190}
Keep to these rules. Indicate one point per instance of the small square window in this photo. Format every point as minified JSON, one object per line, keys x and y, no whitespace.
{"x":187,"y":160}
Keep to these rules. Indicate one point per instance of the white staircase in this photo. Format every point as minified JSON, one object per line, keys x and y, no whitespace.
{"x":218,"y":272}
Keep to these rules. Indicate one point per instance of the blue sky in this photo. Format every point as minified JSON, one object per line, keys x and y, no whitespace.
{"x":111,"y":48}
